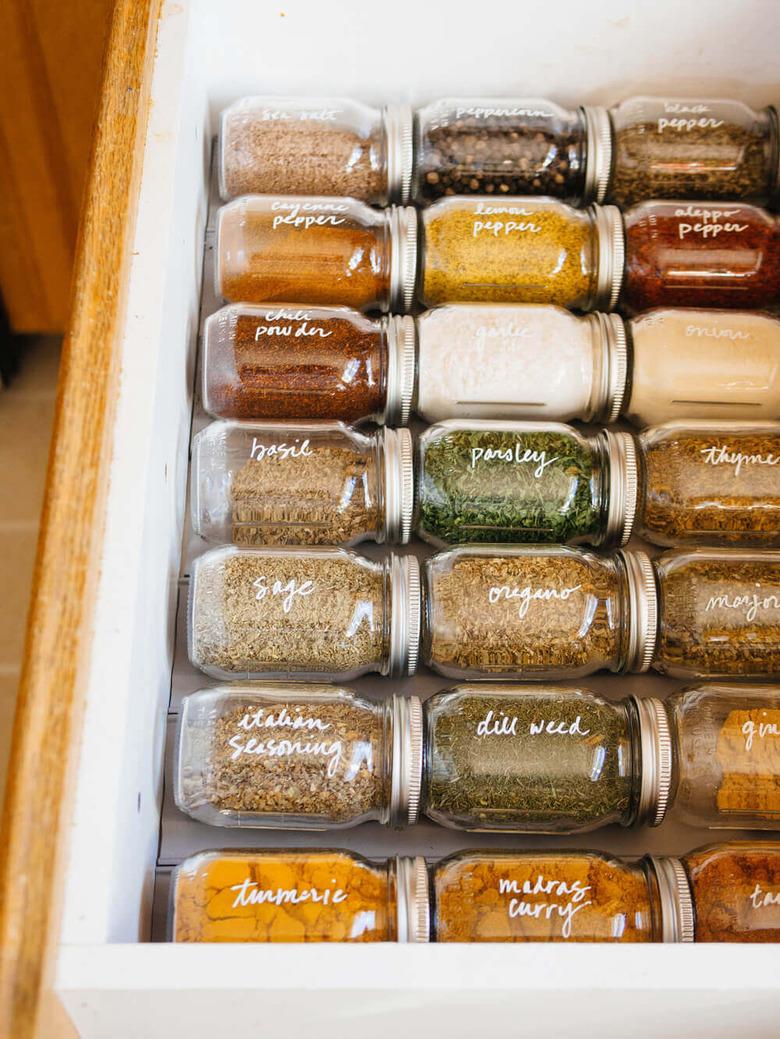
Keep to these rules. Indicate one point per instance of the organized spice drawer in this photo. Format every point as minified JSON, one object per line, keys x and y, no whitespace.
{"x":117,"y":667}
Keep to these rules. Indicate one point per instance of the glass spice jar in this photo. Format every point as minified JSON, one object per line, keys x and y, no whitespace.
{"x":689,"y":254}
{"x":719,"y":613}
{"x":280,"y":362}
{"x":736,"y":891}
{"x":693,"y":148}
{"x":536,"y":611}
{"x":710,"y":484}
{"x":510,"y":146}
{"x":315,"y":146}
{"x":315,"y":612}
{"x":289,"y":248}
{"x":521,"y":250}
{"x":298,"y":757}
{"x":508,"y":482}
{"x":519,"y":361}
{"x":298,"y":896}
{"x":294,"y":484}
{"x":703,"y":364}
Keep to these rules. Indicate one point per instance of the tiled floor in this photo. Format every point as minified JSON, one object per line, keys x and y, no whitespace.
{"x":26,"y":412}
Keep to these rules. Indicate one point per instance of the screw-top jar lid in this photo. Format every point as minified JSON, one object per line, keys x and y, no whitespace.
{"x":412,"y":899}
{"x":674,"y":891}
{"x":403,"y":257}
{"x":406,"y":773}
{"x":405,"y":615}
{"x":643,"y":610}
{"x":608,"y":393}
{"x":598,"y":153}
{"x":655,"y":740}
{"x":622,"y":488}
{"x":610,"y":236}
{"x":399,"y":129}
{"x":401,"y":368}
{"x":399,"y":484}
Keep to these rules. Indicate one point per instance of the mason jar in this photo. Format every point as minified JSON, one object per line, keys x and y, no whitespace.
{"x":533,"y":612}
{"x":315,"y":612}
{"x":693,"y":148}
{"x":487,"y":481}
{"x":315,"y":146}
{"x":291,"y":362}
{"x":521,"y":250}
{"x":297,"y":757}
{"x":294,"y":484}
{"x":704,"y":482}
{"x":316,"y":249}
{"x":511,"y":146}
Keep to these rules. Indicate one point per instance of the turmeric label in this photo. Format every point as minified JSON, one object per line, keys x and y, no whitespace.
{"x":748,"y":753}
{"x":282,"y":896}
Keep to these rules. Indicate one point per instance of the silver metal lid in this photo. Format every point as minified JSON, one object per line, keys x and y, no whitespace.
{"x":623,"y":487}
{"x":598,"y":155}
{"x":401,"y":334}
{"x":403,"y":257}
{"x":609,"y":390}
{"x":412,"y":899}
{"x":406,"y":772}
{"x":655,"y":739}
{"x":643,"y":610}
{"x":611,"y":256}
{"x":405,"y":615}
{"x":398,"y":451}
{"x":399,"y":129}
{"x":678,"y":921}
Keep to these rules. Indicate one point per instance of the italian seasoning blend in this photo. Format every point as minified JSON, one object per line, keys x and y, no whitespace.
{"x":297,"y":756}
{"x":736,"y":890}
{"x":693,"y":148}
{"x":289,"y":248}
{"x":719,"y":613}
{"x":280,"y":362}
{"x":315,"y":146}
{"x":318,"y":611}
{"x":528,"y":612}
{"x":285,"y":484}
{"x":509,"y":482}
{"x":508,"y":146}
{"x":688,"y":254}
{"x":521,"y":250}
{"x":710,"y":484}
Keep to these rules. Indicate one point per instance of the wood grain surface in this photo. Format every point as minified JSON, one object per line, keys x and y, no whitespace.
{"x":44,"y":751}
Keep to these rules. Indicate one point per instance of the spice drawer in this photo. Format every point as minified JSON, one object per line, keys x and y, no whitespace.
{"x":123,"y":440}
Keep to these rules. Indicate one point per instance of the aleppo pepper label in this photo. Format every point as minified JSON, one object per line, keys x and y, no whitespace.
{"x":502,"y":486}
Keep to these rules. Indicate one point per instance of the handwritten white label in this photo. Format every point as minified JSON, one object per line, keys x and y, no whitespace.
{"x":503,"y":227}
{"x":317,"y":115}
{"x":525,"y":596}
{"x":723,"y":456}
{"x":291,"y":590}
{"x":282,"y":748}
{"x":503,"y":113}
{"x":734,"y":335}
{"x":278,"y":324}
{"x":567,"y":899}
{"x":760,"y":899}
{"x":708,"y":223}
{"x":558,"y":728}
{"x":517,"y":455}
{"x":509,"y":330}
{"x":308,"y":214}
{"x":250,"y":894}
{"x":751,"y":605}
{"x":753,"y":731}
{"x":502,"y":724}
{"x":259,"y":451}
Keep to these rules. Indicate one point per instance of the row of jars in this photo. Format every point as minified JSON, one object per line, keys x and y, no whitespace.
{"x":722,"y":893}
{"x":486,"y":481}
{"x":517,"y":249}
{"x":519,"y":361}
{"x":491,"y":758}
{"x":530,"y":612}
{"x":644,"y":147}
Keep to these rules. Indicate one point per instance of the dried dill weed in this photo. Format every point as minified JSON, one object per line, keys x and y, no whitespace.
{"x":318,"y":611}
{"x":297,"y":757}
{"x":719,"y":613}
{"x":296,"y":484}
{"x":521,"y":250}
{"x":528,"y":612}
{"x":706,"y":483}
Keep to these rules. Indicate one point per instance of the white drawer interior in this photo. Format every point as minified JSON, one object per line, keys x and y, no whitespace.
{"x":207,"y":55}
